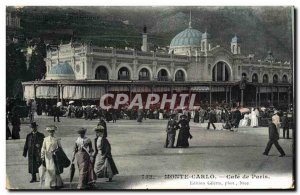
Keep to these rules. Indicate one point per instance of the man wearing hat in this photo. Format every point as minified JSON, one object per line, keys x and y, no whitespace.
{"x":32,"y":147}
{"x":285,"y":126}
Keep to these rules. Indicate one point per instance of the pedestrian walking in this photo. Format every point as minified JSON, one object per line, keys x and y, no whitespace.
{"x":285,"y":126}
{"x":32,"y":149}
{"x":83,"y":151}
{"x":103,"y":124}
{"x":172,"y":126}
{"x":56,"y":113}
{"x":53,"y":169}
{"x":276,"y":120}
{"x":273,"y":139}
{"x":212,"y":118}
{"x":184,"y":132}
{"x":105,"y":166}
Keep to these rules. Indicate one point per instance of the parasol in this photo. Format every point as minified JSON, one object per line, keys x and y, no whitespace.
{"x":244,"y":110}
{"x":263,"y":108}
{"x":72,"y":172}
{"x":59,"y":104}
{"x":71,"y":102}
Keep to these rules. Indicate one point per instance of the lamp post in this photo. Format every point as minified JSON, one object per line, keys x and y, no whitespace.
{"x":243,"y":83}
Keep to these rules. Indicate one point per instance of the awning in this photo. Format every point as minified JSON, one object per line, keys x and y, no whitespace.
{"x":83,"y":92}
{"x":200,"y":89}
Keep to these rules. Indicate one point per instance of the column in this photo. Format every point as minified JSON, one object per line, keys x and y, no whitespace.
{"x":58,"y":93}
{"x":259,"y":96}
{"x":223,"y":73}
{"x":278,"y":96}
{"x":210,"y":96}
{"x":289,"y":97}
{"x":256,"y":93}
{"x":130,"y":93}
{"x":272,"y":98}
{"x":242,"y":97}
{"x":226,"y":94}
{"x":34,"y":91}
{"x":230,"y":94}
{"x":62,"y":94}
{"x":216,"y":72}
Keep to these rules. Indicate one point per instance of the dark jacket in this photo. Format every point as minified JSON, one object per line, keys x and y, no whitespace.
{"x":106,"y":152}
{"x":212,"y":116}
{"x":273,"y":133}
{"x":33,"y":145}
{"x":61,"y":160}
{"x":285,"y":122}
{"x":172,"y":127}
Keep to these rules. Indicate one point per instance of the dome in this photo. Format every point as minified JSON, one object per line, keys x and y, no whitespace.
{"x":61,"y":71}
{"x":188,"y":37}
{"x":235,"y":39}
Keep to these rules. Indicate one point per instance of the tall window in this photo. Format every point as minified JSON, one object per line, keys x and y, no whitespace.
{"x":179,"y":76}
{"x":254,"y":78}
{"x":275,"y":78}
{"x":101,"y":73}
{"x":265,"y":78}
{"x":123,"y":74}
{"x":163,"y":75}
{"x":144,"y":74}
{"x":284,"y":79}
{"x":220,"y":72}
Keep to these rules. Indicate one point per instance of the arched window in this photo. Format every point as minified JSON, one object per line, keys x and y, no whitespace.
{"x":265,"y":78}
{"x":284,"y":79}
{"x":144,"y":74}
{"x":179,"y":76}
{"x":254,"y":78}
{"x":244,"y":75}
{"x":220,"y":72}
{"x":101,"y":73}
{"x":123,"y":74}
{"x":275,"y":78}
{"x":163,"y":75}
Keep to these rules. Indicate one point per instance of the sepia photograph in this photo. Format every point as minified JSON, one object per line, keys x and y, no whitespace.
{"x":150,"y":98}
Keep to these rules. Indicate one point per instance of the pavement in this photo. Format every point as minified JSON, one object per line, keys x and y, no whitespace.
{"x":214,"y":159}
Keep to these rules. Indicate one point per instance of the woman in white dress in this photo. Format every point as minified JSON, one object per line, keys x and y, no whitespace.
{"x":50,"y":144}
{"x":254,"y":120}
{"x":244,"y":121}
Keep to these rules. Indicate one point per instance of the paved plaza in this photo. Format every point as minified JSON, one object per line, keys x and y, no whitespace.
{"x":144,"y":163}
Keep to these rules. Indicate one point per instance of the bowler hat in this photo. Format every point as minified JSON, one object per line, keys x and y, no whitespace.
{"x":51,"y":128}
{"x":33,"y":125}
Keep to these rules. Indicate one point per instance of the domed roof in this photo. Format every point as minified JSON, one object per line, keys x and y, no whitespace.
{"x":206,"y":36}
{"x":188,"y":37}
{"x":235,"y":39}
{"x":61,"y":71}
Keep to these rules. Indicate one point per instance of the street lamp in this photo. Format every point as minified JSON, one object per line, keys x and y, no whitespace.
{"x":243,"y":84}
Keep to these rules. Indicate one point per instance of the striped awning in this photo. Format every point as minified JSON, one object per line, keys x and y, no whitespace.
{"x":200,"y":88}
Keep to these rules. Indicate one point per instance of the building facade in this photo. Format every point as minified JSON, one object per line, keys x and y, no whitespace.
{"x":192,"y":65}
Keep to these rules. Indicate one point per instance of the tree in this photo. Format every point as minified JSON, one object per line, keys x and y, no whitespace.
{"x":37,"y":65}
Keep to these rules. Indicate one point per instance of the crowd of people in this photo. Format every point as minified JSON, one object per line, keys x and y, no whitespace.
{"x":46,"y":157}
{"x":93,"y":157}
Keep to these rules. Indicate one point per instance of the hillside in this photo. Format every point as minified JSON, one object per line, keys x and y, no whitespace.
{"x":260,"y":28}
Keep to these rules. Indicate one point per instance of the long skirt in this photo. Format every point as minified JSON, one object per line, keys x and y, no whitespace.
{"x":52,"y":179}
{"x":182,"y":140}
{"x":105,"y":167}
{"x":85,"y":167}
{"x":15,"y":132}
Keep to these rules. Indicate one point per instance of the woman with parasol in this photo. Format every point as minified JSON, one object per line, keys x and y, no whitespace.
{"x":52,"y":173}
{"x":83,"y":152}
{"x":104,"y":164}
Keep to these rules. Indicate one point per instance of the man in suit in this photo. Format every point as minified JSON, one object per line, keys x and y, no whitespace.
{"x":285,"y":126}
{"x":56,"y":112}
{"x":32,"y":147}
{"x":273,"y":139}
{"x":211,"y":119}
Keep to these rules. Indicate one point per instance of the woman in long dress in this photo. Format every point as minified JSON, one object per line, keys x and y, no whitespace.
{"x":104,"y":164}
{"x":254,"y":120}
{"x":83,"y":152}
{"x":244,"y":122}
{"x":184,"y":133}
{"x":50,"y":144}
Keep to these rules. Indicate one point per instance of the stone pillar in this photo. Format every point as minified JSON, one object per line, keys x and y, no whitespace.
{"x":34,"y":91}
{"x":242,"y":97}
{"x":278,"y":96}
{"x":210,"y":96}
{"x":62,"y":93}
{"x":272,"y":98}
{"x":259,"y":96}
{"x":256,"y":93}
{"x":216,"y":72}
{"x":113,"y":74}
{"x":223,"y":72}
{"x":230,"y":93}
{"x":58,"y":93}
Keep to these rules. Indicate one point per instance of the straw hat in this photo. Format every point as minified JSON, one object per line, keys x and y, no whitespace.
{"x":51,"y":128}
{"x":99,"y":128}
